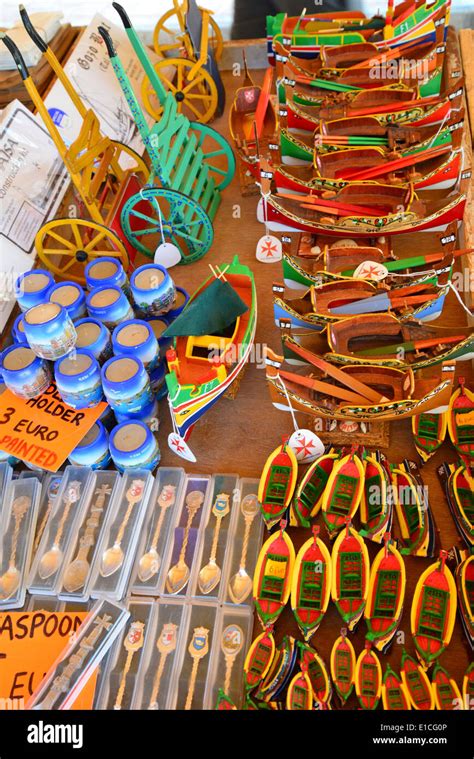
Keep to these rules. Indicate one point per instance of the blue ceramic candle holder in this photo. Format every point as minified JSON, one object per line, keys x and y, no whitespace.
{"x":109,"y":305}
{"x":180,"y":301}
{"x":106,"y":271}
{"x":49,"y":331}
{"x":148,"y":414}
{"x":19,"y":330}
{"x":159,"y":325}
{"x":93,"y":450}
{"x":71,"y":296}
{"x":23,"y":372}
{"x":133,"y":446}
{"x":126,"y":385}
{"x":157,"y":381}
{"x":78,"y":379}
{"x":136,"y":338}
{"x":153,"y":290}
{"x":94,"y":336}
{"x":32,"y":288}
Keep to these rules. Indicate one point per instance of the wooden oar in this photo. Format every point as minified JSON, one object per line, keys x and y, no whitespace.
{"x":411,"y":345}
{"x":328,"y":204}
{"x":399,"y":163}
{"x":324,"y":387}
{"x":392,"y":107}
{"x":263,"y":100}
{"x":378,"y":303}
{"x":415,"y":261}
{"x":353,"y":140}
{"x":337,"y":374}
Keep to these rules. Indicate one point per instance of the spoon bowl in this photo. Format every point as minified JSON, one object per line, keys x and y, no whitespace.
{"x":177,"y":578}
{"x":149,"y":565}
{"x":76,"y":575}
{"x":209,"y":577}
{"x":240,"y":586}
{"x":50,"y":562}
{"x":9,"y":582}
{"x":111,"y":560}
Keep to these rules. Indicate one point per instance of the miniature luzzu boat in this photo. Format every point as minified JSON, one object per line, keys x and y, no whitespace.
{"x":350,"y":575}
{"x":416,"y":683}
{"x":429,"y":432}
{"x":318,"y":675}
{"x":446,"y":693}
{"x":310,"y":489}
{"x":433,"y":611}
{"x":368,"y":678}
{"x":343,"y":492}
{"x":311,"y":584}
{"x":259,"y":659}
{"x":299,"y":696}
{"x":461,"y":499}
{"x":465,"y":587}
{"x":417,"y":534}
{"x":277,"y":484}
{"x":359,"y":209}
{"x":375,"y":509}
{"x":394,"y":695}
{"x":343,"y":664}
{"x":272,"y":578}
{"x":384,"y":606}
{"x":468,"y":688}
{"x":213,"y":338}
{"x":279,"y":672}
{"x":461,"y":421}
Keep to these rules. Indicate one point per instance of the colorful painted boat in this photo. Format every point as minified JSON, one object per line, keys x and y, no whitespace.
{"x":311,"y":584}
{"x":343,"y":492}
{"x":277,"y":484}
{"x":273,"y":576}
{"x":394,"y":695}
{"x":429,"y":432}
{"x":224,"y":703}
{"x":446,"y":693}
{"x":310,"y":489}
{"x":433,"y":611}
{"x":412,"y":513}
{"x":368,"y":678}
{"x":387,"y":586}
{"x":314,"y":665}
{"x":465,"y":587}
{"x":280,"y":670}
{"x":375,"y":508}
{"x":308,"y":391}
{"x":213,"y":337}
{"x":350,"y":575}
{"x":343,"y":665}
{"x":259,"y":659}
{"x":468,"y":688}
{"x":461,"y":422}
{"x":299,"y":696}
{"x":416,"y":683}
{"x":461,"y":487}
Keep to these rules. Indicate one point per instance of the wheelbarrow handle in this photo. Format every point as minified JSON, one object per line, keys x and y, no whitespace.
{"x":123,"y":15}
{"x":108,"y":41}
{"x":35,"y":36}
{"x":17,"y":56}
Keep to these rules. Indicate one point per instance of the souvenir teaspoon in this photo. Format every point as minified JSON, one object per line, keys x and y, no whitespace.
{"x":210,"y":575}
{"x":240,"y":585}
{"x":178,"y":575}
{"x":10,"y":580}
{"x":197,"y":649}
{"x":165,"y":644}
{"x":112,"y":558}
{"x":149,"y":563}
{"x":231,"y":644}
{"x":51,"y":560}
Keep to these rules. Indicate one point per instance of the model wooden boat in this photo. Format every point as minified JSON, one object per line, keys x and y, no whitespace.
{"x":272,"y":577}
{"x":280,"y":670}
{"x":446,"y":693}
{"x":461,"y":422}
{"x":368,"y":678}
{"x":259,"y":659}
{"x":299,"y":696}
{"x":394,"y":695}
{"x":461,"y":487}
{"x":311,"y":584}
{"x":468,"y":688}
{"x":343,"y":492}
{"x":465,"y":587}
{"x":376,"y":394}
{"x":358,"y":210}
{"x":213,"y":338}
{"x":416,"y":683}
{"x":310,"y":489}
{"x":343,"y":665}
{"x":429,"y":432}
{"x":375,"y":509}
{"x":224,"y":702}
{"x":350,"y":575}
{"x":414,"y":517}
{"x":318,"y":675}
{"x":402,"y":25}
{"x":387,"y":585}
{"x":433,"y":611}
{"x":277,"y":484}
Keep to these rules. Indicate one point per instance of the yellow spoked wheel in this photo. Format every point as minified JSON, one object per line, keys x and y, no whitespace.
{"x":167,"y":27}
{"x":196,"y":98}
{"x":66,"y":246}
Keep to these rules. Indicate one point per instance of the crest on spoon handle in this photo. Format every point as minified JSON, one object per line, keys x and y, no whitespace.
{"x":197,"y":649}
{"x":165,"y":644}
{"x":133,"y":642}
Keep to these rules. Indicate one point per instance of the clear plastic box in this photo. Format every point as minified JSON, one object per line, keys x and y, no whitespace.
{"x":231,"y":643}
{"x":194,"y":657}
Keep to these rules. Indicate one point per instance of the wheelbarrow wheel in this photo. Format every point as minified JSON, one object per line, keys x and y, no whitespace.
{"x":196,"y":98}
{"x":169,"y":26}
{"x":217,"y":152}
{"x":133,"y":160}
{"x":66,"y":245}
{"x":157,"y":215}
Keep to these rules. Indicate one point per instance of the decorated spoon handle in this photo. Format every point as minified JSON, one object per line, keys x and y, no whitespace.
{"x":157,"y":680}
{"x":42,"y":525}
{"x":192,"y":684}
{"x":19,"y":509}
{"x":158,"y":527}
{"x":245,"y":543}
{"x":123,"y":680}
{"x":215,"y":539}
{"x":187,"y":529}
{"x":92,"y":523}
{"x":60,"y":530}
{"x":123,"y":526}
{"x":229,"y":664}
